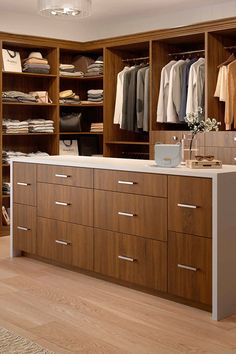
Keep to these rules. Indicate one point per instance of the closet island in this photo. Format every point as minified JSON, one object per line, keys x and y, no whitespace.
{"x":167,"y":231}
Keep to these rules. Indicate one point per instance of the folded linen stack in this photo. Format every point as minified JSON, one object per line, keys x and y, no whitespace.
{"x":35,"y":63}
{"x":95,"y":69}
{"x":18,"y":96}
{"x":95,"y":96}
{"x":14,"y":126}
{"x":7,"y":156}
{"x":68,"y":97}
{"x":96,"y":128}
{"x":69,"y":70}
{"x":41,"y":126}
{"x":6,"y":188}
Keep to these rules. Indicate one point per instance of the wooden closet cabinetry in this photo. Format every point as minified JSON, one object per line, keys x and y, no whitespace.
{"x":24,"y":208}
{"x":189,"y":238}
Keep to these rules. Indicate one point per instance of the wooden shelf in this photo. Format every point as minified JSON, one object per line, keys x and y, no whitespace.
{"x":5,"y":196}
{"x":28,"y":74}
{"x":81,"y":105}
{"x":81,"y":133}
{"x":128,"y":142}
{"x":89,"y":78}
{"x":5,"y":165}
{"x":26,"y":134}
{"x":29,"y":104}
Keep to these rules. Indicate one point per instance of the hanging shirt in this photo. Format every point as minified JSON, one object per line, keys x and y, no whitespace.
{"x":221,"y":86}
{"x":174,"y":95}
{"x":146,"y":101}
{"x":119,"y":96}
{"x":163,"y":92}
{"x":140,"y":96}
{"x":196,"y":84}
{"x":230,"y":103}
{"x":184,"y":89}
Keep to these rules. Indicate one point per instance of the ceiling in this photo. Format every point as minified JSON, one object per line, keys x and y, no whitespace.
{"x":112,"y":17}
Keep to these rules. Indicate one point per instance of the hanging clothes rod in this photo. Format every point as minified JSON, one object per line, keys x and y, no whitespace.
{"x":232,"y":47}
{"x":188,"y":52}
{"x":135,"y":59}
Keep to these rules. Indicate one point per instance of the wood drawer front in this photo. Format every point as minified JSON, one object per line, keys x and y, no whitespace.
{"x":24,"y":228}
{"x":65,"y":243}
{"x":226,"y":155}
{"x":190,"y":267}
{"x":68,"y":176}
{"x":131,"y":182}
{"x":220,"y":139}
{"x":133,"y":259}
{"x":131,"y":214}
{"x":166,"y":137}
{"x":190,"y":205}
{"x":64,"y":203}
{"x":24,"y":183}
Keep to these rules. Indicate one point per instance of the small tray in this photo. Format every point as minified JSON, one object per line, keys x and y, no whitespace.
{"x":204,"y":164}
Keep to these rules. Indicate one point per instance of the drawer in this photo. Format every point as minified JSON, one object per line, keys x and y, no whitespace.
{"x":225,"y":154}
{"x":24,"y":183}
{"x":65,"y":243}
{"x":220,"y":139}
{"x":131,"y":182}
{"x":24,"y":228}
{"x":190,"y":267}
{"x":131,"y":214}
{"x":68,"y":176}
{"x":190,"y":205}
{"x":133,"y":259}
{"x":64,"y":203}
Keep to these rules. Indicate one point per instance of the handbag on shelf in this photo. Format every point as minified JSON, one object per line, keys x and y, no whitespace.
{"x":168,"y":155}
{"x":41,"y":96}
{"x":11,"y":60}
{"x":68,"y":147}
{"x":70,"y":122}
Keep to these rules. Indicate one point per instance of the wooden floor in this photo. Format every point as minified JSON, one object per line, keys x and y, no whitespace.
{"x":72,"y":313}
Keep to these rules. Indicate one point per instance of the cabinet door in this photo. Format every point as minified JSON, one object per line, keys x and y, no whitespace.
{"x":190,"y":205}
{"x":131,"y":214}
{"x":24,"y":183}
{"x":65,"y":243}
{"x":189,"y":267}
{"x":135,"y":260}
{"x":64,"y":203}
{"x":68,"y":176}
{"x":24,"y":228}
{"x":131,"y":182}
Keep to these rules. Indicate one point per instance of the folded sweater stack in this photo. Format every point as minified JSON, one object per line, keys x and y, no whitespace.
{"x":95,"y":95}
{"x":14,"y":126}
{"x":96,"y":128}
{"x":41,"y":126}
{"x":18,"y":96}
{"x":36,"y":65}
{"x":7,"y":156}
{"x":69,"y":70}
{"x":95,"y":69}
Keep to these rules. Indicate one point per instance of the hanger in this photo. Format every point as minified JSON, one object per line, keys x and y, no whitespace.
{"x":227,"y":61}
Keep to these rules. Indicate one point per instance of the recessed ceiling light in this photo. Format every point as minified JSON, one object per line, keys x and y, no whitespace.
{"x":65,"y":8}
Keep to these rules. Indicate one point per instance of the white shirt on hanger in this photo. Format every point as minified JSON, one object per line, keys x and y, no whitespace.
{"x":196,"y":84}
{"x":221,"y":85}
{"x":119,"y":96}
{"x":163,"y":93}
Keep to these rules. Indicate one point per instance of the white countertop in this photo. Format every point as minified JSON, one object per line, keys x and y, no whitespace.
{"x":133,"y":165}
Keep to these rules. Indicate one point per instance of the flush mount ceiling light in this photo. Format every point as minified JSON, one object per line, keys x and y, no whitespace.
{"x":65,"y":8}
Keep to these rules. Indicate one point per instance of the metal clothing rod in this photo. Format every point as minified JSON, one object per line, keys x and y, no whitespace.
{"x":232,"y":47}
{"x":136,"y":59}
{"x":188,"y":52}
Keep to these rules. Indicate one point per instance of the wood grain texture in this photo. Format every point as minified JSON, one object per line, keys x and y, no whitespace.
{"x":149,"y":214}
{"x":195,"y":252}
{"x":69,"y":313}
{"x":78,"y":208}
{"x":149,"y":265}
{"x":143,"y":183}
{"x":24,"y":228}
{"x":24,"y":173}
{"x":78,"y":250}
{"x":195,"y":192}
{"x":68,"y":176}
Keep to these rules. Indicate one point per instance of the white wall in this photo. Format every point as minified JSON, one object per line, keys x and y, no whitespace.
{"x":89,"y":29}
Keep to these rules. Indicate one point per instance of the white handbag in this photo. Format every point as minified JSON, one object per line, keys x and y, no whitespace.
{"x":68,"y":147}
{"x":11,"y":60}
{"x":168,"y":155}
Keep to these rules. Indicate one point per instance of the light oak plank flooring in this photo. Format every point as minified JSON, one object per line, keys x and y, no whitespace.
{"x":69,"y":312}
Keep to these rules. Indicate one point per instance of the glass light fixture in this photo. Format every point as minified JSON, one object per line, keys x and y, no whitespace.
{"x":65,"y":8}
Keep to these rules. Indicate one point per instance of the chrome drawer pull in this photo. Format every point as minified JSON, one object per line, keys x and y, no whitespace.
{"x":234,"y":138}
{"x":187,"y":206}
{"x":23,"y":184}
{"x":187,"y":267}
{"x":62,"y":176}
{"x":234,"y":158}
{"x":126,"y":182}
{"x":65,"y":243}
{"x":62,"y":203}
{"x":125,"y":214}
{"x":128,"y":259}
{"x":23,"y":228}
